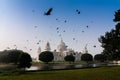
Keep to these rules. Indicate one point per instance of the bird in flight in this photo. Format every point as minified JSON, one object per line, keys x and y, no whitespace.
{"x":57,"y":28}
{"x":64,"y":31}
{"x":87,"y":26}
{"x":65,"y":21}
{"x":35,"y":26}
{"x":37,"y":43}
{"x":30,"y":49}
{"x":33,"y":10}
{"x":94,"y":46}
{"x":78,"y":11}
{"x":73,"y":38}
{"x":83,"y":31}
{"x":56,"y":18}
{"x":48,"y":12}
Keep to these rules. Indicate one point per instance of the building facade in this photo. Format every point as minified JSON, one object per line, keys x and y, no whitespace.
{"x":62,"y":50}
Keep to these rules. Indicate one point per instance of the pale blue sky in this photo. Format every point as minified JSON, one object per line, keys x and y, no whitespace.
{"x":17,"y":23}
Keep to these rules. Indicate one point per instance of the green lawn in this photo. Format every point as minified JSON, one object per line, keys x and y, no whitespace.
{"x":104,"y":73}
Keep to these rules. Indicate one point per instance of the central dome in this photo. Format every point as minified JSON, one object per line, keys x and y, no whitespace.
{"x":61,"y":47}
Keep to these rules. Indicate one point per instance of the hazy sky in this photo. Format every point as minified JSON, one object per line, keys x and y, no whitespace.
{"x":23,"y":23}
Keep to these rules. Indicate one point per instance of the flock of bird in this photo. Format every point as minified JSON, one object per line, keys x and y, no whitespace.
{"x":48,"y":13}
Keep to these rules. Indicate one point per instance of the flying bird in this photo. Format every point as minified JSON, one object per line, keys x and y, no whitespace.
{"x":65,"y":21}
{"x":37,"y":43}
{"x":33,"y":10}
{"x":94,"y":46}
{"x":87,"y":26}
{"x":35,"y":26}
{"x":57,"y":28}
{"x":78,"y":11}
{"x":64,"y":31}
{"x":39,"y":40}
{"x":83,"y":31}
{"x":56,"y":19}
{"x":48,"y":12}
{"x":73,"y":38}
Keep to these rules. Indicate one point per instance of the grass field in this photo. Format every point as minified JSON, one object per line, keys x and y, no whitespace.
{"x":103,"y":73}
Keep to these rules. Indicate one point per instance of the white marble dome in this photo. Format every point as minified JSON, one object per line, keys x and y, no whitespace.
{"x":61,"y":47}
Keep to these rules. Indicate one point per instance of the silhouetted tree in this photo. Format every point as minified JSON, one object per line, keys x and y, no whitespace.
{"x":117,"y":16}
{"x":4,"y":57}
{"x":46,"y":56}
{"x":69,"y":58}
{"x":10,"y":56}
{"x":24,"y":60}
{"x":111,"y":40}
{"x":18,"y":57}
{"x":99,"y":57}
{"x":13,"y":55}
{"x":87,"y":57}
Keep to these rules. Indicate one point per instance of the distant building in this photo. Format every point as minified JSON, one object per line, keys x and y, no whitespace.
{"x":62,"y":50}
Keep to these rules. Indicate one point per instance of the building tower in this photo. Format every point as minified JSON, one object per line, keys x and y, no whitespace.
{"x":39,"y":51}
{"x":85,"y":50}
{"x":47,"y":47}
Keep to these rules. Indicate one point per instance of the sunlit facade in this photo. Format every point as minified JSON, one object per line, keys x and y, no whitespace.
{"x":61,"y":51}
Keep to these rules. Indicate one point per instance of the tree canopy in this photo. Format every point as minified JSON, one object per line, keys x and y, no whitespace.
{"x":24,"y":60}
{"x":111,"y":40}
{"x":46,"y":56}
{"x":117,"y":16}
{"x":99,"y":57}
{"x":10,"y":56}
{"x":69,"y":58}
{"x":18,"y":57}
{"x":87,"y":57}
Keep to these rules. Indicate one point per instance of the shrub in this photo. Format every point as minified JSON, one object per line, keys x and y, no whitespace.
{"x":46,"y":56}
{"x":87,"y":57}
{"x":69,"y":58}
